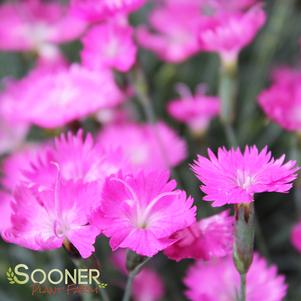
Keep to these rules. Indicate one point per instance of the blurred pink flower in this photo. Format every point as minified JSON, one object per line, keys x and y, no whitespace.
{"x":109,"y":45}
{"x":196,"y":111}
{"x":173,"y":39}
{"x":204,"y":25}
{"x":296,"y":236}
{"x":34,"y":24}
{"x":115,"y":115}
{"x":213,"y":6}
{"x":218,"y":280}
{"x":282,"y":101}
{"x":78,"y":158}
{"x":228,"y":32}
{"x":140,"y":212}
{"x":98,"y":10}
{"x":16,"y":163}
{"x":231,"y":5}
{"x":144,"y":144}
{"x":61,"y":95}
{"x":148,"y":286}
{"x":44,"y":220}
{"x":11,"y":137}
{"x":234,"y":177}
{"x":51,"y":56}
{"x":5,"y":210}
{"x":119,"y":260}
{"x":210,"y":237}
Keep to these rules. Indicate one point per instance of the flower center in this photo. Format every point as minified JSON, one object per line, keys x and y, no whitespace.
{"x":144,"y":215}
{"x":61,"y":228}
{"x":244,"y":179}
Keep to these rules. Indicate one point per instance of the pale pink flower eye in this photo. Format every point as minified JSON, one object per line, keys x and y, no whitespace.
{"x":244,"y":179}
{"x":60,"y":229}
{"x":144,"y":215}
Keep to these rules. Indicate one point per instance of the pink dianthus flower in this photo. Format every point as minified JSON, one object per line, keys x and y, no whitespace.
{"x":227,"y":33}
{"x":196,"y":111}
{"x":172,"y":39}
{"x":78,"y":158}
{"x":140,"y":212}
{"x":234,"y":177}
{"x":207,"y":238}
{"x":57,"y":97}
{"x":282,"y":101}
{"x":296,"y":236}
{"x":14,"y":165}
{"x":109,"y":45}
{"x":218,"y":280}
{"x":44,"y":220}
{"x":35,"y":24}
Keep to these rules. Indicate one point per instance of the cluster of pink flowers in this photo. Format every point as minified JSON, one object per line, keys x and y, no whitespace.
{"x":223,"y":27}
{"x":56,"y":91}
{"x":75,"y":190}
{"x":76,"y":187}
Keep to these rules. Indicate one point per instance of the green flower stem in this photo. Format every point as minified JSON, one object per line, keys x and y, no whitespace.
{"x":294,"y":155}
{"x":227,"y":93}
{"x":242,"y":287}
{"x":244,"y":242}
{"x":141,"y":89}
{"x":134,"y":264}
{"x":230,"y":134}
